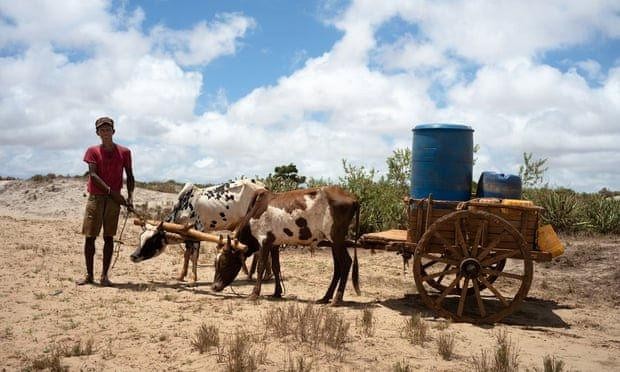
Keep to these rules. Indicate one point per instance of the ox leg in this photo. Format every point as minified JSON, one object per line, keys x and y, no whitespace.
{"x":345,"y":261}
{"x":268,"y":264}
{"x":332,"y":286}
{"x":262,"y":257}
{"x":186,"y":257}
{"x":244,"y":267}
{"x":194,"y":257}
{"x":255,"y":260}
{"x":264,"y":250}
{"x":275,"y":265}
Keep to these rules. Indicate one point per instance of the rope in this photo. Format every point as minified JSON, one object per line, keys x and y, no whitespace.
{"x":118,"y":241}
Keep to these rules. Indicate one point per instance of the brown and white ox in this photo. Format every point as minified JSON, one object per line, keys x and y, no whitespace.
{"x":302,"y":217}
{"x":214,"y":208}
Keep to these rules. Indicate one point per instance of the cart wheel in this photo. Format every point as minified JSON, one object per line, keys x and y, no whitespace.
{"x":473,"y":266}
{"x":438,"y":283}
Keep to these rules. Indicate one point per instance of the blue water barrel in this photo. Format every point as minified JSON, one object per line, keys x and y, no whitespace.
{"x":442,"y":161}
{"x":499,"y":185}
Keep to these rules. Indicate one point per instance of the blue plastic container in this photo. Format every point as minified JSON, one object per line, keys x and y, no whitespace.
{"x":499,"y":185}
{"x":442,"y":161}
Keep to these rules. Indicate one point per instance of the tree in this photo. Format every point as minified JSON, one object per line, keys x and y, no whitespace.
{"x":284,"y":179}
{"x":532,"y":171}
{"x":399,"y":168}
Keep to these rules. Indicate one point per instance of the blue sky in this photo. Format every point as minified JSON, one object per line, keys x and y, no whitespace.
{"x":285,"y":35}
{"x":209,"y":91}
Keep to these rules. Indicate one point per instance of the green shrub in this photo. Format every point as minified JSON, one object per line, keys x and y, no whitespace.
{"x":602,"y":214}
{"x":563,"y":208}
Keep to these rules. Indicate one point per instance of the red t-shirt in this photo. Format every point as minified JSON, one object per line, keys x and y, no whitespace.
{"x":110,"y":166}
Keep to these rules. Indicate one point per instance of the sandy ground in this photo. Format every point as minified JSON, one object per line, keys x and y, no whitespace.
{"x":148,"y":319}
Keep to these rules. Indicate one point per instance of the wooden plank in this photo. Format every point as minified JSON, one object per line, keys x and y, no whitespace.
{"x":188,"y":232}
{"x":389,"y":235}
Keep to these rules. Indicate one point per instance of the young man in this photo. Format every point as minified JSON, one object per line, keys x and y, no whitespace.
{"x":105,"y":168}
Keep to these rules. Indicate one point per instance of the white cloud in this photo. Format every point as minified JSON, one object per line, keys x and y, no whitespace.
{"x":205,"y":41}
{"x":358,"y":101}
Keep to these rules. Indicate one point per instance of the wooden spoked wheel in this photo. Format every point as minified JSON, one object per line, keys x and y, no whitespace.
{"x":438,"y":283}
{"x":467,"y":250}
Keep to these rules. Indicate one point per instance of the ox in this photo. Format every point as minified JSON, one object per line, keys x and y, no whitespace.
{"x":301,"y":217}
{"x":219,"y":207}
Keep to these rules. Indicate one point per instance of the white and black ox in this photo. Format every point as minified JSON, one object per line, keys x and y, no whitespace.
{"x":214,"y":208}
{"x":318,"y":216}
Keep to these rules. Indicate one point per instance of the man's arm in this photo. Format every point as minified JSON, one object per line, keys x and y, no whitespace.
{"x":130,"y":186}
{"x":92,"y":172}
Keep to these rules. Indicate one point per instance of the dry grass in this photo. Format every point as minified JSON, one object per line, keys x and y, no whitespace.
{"x":53,"y":360}
{"x":241,"y":354}
{"x":505,"y":357}
{"x":50,"y":363}
{"x":77,"y":349}
{"x":445,"y":345}
{"x":551,"y":364}
{"x":443,"y":324}
{"x":367,"y":323}
{"x":312,"y":324}
{"x":297,"y":364}
{"x":415,"y":330}
{"x":402,"y":366}
{"x":206,"y":337}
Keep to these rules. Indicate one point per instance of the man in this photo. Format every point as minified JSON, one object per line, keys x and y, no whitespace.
{"x":105,"y":169}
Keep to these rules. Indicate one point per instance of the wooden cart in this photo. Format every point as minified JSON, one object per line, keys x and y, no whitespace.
{"x":472,"y":261}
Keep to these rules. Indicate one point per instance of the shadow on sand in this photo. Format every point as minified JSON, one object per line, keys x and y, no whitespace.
{"x":533,"y":312}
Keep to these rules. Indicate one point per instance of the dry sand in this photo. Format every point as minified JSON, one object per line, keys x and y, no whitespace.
{"x":148,"y":319}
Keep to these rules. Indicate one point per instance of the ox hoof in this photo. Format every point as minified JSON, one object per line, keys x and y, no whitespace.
{"x":276,"y":295}
{"x":181,"y":278}
{"x":338,"y":299}
{"x":322,"y":301}
{"x":253,"y":297}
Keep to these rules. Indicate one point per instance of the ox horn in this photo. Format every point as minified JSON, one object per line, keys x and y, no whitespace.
{"x":227,"y":246}
{"x":236,"y":246}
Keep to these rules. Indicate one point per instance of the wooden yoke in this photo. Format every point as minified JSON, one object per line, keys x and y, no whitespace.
{"x":188,"y":232}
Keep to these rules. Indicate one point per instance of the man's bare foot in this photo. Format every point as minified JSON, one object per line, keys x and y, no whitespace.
{"x":105,"y":282}
{"x":86,"y":280}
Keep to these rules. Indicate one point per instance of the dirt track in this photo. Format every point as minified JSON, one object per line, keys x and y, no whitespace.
{"x":147,"y":320}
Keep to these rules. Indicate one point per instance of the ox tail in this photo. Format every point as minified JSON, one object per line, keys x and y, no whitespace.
{"x":356,"y":270}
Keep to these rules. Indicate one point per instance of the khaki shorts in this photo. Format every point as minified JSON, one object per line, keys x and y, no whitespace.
{"x":101,"y":210}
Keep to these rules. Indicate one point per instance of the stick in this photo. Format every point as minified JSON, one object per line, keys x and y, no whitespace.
{"x":192,"y":233}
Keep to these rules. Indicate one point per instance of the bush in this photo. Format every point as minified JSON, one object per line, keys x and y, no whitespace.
{"x":602,"y":214}
{"x":563,"y":208}
{"x":381,"y":202}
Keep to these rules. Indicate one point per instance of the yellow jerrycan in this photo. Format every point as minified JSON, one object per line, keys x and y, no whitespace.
{"x":548,"y":241}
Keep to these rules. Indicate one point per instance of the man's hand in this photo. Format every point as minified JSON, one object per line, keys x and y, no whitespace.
{"x":117,"y":197}
{"x":130,"y":202}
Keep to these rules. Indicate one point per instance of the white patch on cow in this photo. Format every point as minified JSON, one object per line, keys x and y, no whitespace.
{"x":276,"y":220}
{"x":219,"y":207}
{"x":146,"y":235}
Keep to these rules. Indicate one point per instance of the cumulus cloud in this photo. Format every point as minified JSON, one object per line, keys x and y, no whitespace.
{"x":473,"y":62}
{"x":205,"y":41}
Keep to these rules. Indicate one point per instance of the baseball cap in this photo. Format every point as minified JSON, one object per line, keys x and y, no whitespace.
{"x":104,"y":120}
